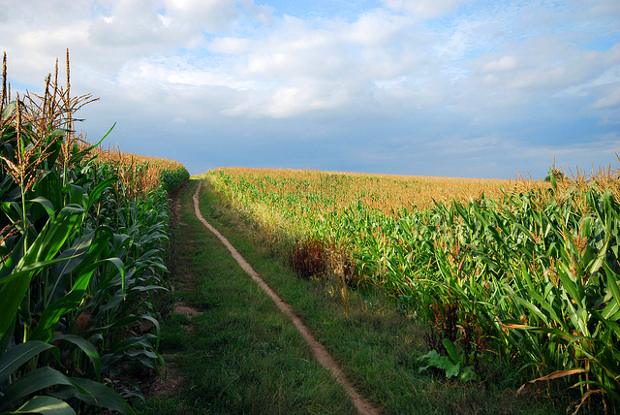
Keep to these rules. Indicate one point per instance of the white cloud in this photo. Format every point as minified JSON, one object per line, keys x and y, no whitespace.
{"x":475,"y":68}
{"x":214,"y":15}
{"x":505,"y":63}
{"x":375,"y":28}
{"x":602,"y":7}
{"x":229,"y":45}
{"x":292,"y":65}
{"x":610,"y":100}
{"x":424,"y":8}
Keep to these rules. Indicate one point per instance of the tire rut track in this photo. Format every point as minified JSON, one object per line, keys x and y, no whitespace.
{"x":320,"y":353}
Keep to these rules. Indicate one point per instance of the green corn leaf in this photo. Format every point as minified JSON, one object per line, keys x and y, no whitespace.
{"x":44,"y":405}
{"x":32,"y":382}
{"x":16,"y":356}
{"x":27,"y":269}
{"x":80,"y":155}
{"x":533,"y":290}
{"x":612,"y":284}
{"x":45,"y":203}
{"x":88,"y":391}
{"x":95,"y":194}
{"x":611,"y":311}
{"x":153,"y":321}
{"x":96,"y":394}
{"x":571,"y":287}
{"x":54,"y":312}
{"x":8,"y":110}
{"x":118,"y":263}
{"x":614,"y":327}
{"x":86,"y":346}
{"x":532,"y":308}
{"x":12,"y":211}
{"x":45,"y":247}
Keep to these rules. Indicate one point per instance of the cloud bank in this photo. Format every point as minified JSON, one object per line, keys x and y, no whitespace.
{"x":442,"y":87}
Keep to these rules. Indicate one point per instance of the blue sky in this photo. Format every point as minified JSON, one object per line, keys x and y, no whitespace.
{"x":424,"y":87}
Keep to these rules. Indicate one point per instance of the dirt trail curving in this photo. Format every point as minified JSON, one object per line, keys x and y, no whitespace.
{"x":319,"y":351}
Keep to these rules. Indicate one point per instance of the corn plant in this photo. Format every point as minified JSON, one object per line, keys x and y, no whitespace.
{"x":528,"y":276}
{"x":82,"y":251}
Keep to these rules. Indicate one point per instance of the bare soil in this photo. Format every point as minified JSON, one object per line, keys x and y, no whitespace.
{"x":169,"y":380}
{"x":188,"y":311}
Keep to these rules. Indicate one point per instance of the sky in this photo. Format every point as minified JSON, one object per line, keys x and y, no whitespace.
{"x":419,"y":87}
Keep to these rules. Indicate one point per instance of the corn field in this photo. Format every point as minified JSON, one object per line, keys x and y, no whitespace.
{"x":83,"y":244}
{"x":523,"y":273}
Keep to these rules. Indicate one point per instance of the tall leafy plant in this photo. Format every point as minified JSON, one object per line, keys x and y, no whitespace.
{"x":82,"y":250}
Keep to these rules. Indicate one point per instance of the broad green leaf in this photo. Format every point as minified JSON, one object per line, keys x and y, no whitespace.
{"x":121,"y":269}
{"x":34,"y":381}
{"x":612,"y":284}
{"x":45,"y":405}
{"x":451,"y":350}
{"x":34,"y":267}
{"x":86,"y":346}
{"x":87,"y":150}
{"x":46,"y":204}
{"x":452,"y":369}
{"x":95,"y":194}
{"x":16,"y":356}
{"x":45,"y":247}
{"x":468,"y":374}
{"x":97,"y":394}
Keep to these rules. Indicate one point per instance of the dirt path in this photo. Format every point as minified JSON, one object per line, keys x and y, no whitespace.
{"x":318,"y":350}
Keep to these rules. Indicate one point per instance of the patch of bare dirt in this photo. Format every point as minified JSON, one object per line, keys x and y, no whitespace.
{"x":363,"y":406}
{"x":186,"y":310}
{"x":169,"y":381}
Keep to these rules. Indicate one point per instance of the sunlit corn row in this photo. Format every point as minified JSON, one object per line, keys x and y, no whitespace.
{"x":528,"y":274}
{"x":388,"y":193}
{"x":83,"y":243}
{"x":139,"y":174}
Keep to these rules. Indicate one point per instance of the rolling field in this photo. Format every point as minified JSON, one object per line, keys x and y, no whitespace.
{"x":370,"y":293}
{"x":527,"y":276}
{"x":134,"y":284}
{"x":388,"y":193}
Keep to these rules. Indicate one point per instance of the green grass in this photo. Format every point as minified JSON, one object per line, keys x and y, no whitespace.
{"x":243,"y":356}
